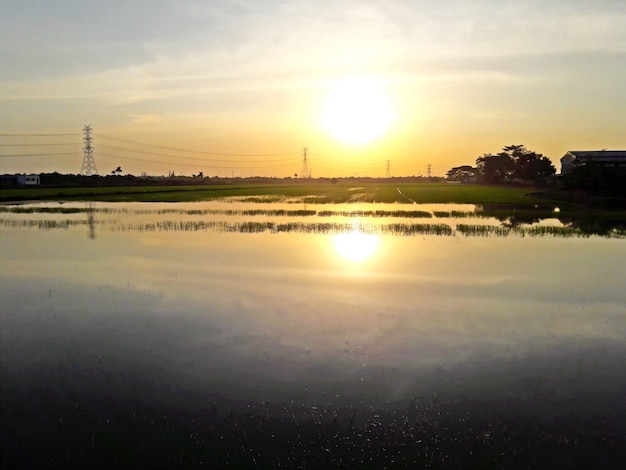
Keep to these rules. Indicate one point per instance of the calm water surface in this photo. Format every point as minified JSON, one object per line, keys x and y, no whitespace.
{"x":175,"y":305}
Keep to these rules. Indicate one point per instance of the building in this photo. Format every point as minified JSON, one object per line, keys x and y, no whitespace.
{"x":607,"y":158}
{"x":28,"y":179}
{"x":7,"y":181}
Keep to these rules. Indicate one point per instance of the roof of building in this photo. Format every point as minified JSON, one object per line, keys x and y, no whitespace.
{"x":606,"y":156}
{"x":598,"y":152}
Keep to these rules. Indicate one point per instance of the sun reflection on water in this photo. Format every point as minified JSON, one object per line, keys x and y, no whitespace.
{"x":356,"y":245}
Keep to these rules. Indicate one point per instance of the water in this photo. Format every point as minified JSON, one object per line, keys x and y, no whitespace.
{"x":117,"y":310}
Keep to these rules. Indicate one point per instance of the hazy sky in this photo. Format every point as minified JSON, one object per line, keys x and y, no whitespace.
{"x":224,"y":81}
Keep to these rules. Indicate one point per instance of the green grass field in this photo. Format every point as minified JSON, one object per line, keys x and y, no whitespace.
{"x":313,"y":192}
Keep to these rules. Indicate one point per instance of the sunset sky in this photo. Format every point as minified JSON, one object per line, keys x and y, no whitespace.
{"x":240,"y":87}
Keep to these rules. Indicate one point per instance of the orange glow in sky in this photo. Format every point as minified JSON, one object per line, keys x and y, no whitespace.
{"x":239,"y":88}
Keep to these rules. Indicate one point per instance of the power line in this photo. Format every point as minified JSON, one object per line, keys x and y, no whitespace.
{"x":37,"y":145}
{"x":334,"y":164}
{"x":193,"y":165}
{"x":167,"y":159}
{"x":34,"y":135}
{"x":177,"y":149}
{"x":39,"y":154}
{"x":143,"y":152}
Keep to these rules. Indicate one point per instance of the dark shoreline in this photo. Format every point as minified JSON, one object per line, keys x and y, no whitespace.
{"x":44,"y":430}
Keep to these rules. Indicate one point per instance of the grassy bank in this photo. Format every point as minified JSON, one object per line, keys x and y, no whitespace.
{"x":310,"y":192}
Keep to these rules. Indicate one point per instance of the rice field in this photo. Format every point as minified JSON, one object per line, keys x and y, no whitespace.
{"x":308,"y":192}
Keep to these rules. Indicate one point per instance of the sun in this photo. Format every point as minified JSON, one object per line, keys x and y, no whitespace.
{"x":357,"y":111}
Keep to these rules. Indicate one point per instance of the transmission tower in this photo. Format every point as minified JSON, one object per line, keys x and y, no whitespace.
{"x":388,"y":169}
{"x":88,"y":167}
{"x":305,"y":172}
{"x":429,"y":167}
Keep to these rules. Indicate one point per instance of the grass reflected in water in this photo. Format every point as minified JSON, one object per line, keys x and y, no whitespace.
{"x":415,"y":222}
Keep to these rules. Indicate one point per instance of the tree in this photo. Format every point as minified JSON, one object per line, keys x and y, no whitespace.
{"x":117,"y":171}
{"x":514,"y":162}
{"x":461,"y":173}
{"x":529,"y":166}
{"x":495,"y":168}
{"x":200,"y":175}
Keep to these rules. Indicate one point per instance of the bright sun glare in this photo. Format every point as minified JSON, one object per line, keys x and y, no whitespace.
{"x":356,"y":245}
{"x":357,"y":111}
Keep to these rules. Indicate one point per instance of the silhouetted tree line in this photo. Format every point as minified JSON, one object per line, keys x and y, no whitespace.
{"x":116,"y":179}
{"x":514,"y":164}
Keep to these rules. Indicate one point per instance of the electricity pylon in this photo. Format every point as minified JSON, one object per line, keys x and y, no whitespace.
{"x":88,"y":167}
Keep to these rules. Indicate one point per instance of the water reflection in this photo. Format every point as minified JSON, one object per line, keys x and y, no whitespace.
{"x":356,"y":245}
{"x":381,"y":219}
{"x":219,"y":313}
{"x":91,"y":220}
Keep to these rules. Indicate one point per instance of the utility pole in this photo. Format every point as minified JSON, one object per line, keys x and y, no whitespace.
{"x":388,"y":172}
{"x":88,"y":167}
{"x":305,"y":172}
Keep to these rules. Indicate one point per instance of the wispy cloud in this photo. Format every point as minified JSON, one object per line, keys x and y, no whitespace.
{"x":145,"y":119}
{"x":226,"y":45}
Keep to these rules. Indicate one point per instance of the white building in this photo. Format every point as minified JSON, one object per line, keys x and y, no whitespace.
{"x":28,"y":179}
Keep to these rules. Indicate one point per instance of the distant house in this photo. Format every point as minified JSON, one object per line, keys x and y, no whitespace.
{"x":28,"y":179}
{"x":608,"y":158}
{"x":7,"y":181}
